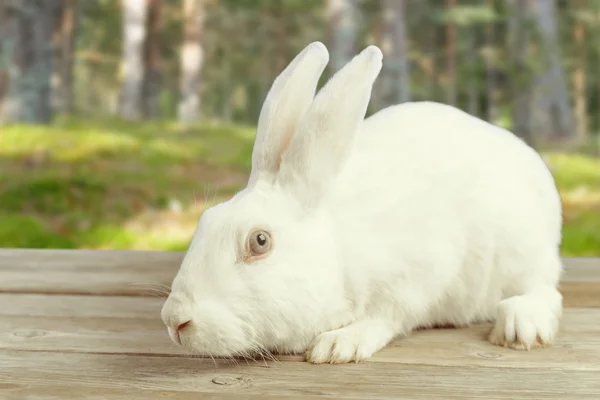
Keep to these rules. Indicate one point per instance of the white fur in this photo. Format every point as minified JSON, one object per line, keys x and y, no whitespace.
{"x":420,"y":215}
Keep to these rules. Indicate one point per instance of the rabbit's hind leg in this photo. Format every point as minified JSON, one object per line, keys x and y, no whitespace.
{"x":529,"y":320}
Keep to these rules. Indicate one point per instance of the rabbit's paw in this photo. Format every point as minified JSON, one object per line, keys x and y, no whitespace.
{"x":354,"y":342}
{"x":528,"y":321}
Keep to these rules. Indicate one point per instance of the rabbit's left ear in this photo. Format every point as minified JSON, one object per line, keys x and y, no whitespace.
{"x":288,"y":99}
{"x":326,"y":133}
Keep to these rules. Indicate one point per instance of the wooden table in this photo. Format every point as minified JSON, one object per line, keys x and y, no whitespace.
{"x":84,"y":324}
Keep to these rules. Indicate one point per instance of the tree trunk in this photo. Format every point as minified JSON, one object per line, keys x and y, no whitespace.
{"x":451,"y":57}
{"x":62,"y":90}
{"x":226,"y":106}
{"x":554,"y":119}
{"x":432,"y":51}
{"x":266,"y":53}
{"x":597,"y":88}
{"x":191,"y":61}
{"x":26,"y":30}
{"x":342,"y":20}
{"x":395,"y":79}
{"x":490,"y":69}
{"x":134,"y":35}
{"x":379,"y":97}
{"x":152,"y":85}
{"x":9,"y":23}
{"x":521,"y":85}
{"x":280,"y":30}
{"x":472,"y":95}
{"x":579,"y":77}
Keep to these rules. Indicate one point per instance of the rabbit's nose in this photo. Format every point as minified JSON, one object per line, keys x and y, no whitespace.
{"x":182,"y":325}
{"x":175,"y":328}
{"x":176,"y":322}
{"x":177,"y":333}
{"x":176,"y":316}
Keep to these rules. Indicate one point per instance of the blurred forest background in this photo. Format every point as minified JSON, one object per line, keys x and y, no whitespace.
{"x":121,"y":120}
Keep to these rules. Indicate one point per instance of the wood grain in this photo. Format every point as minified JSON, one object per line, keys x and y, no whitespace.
{"x":39,"y":305}
{"x":132,"y":325}
{"x":97,"y":272}
{"x":56,"y":391}
{"x":80,"y":324}
{"x":376,"y":380}
{"x":135,"y":273}
{"x":581,"y":269}
{"x":580,"y":294}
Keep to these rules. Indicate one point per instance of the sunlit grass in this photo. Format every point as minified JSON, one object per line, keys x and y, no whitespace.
{"x":89,"y":183}
{"x":123,"y":185}
{"x":578,"y":179}
{"x":575,"y":172}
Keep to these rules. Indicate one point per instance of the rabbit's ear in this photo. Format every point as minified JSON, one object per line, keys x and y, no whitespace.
{"x":327,"y":132}
{"x":288,"y":99}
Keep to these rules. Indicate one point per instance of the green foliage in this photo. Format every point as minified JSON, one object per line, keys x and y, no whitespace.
{"x":466,"y":15}
{"x":572,"y":171}
{"x":105,"y":184}
{"x":25,"y":231}
{"x":248,"y":42}
{"x":99,"y":182}
{"x":122,"y":185}
{"x":51,"y":193}
{"x":581,"y":234}
{"x":578,"y":178}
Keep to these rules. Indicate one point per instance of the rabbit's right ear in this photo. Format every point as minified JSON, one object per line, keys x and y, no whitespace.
{"x":287,"y":101}
{"x":327,"y":134}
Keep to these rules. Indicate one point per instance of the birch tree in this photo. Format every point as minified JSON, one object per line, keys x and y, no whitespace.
{"x":26,"y":28}
{"x":191,"y":61}
{"x":9,"y":24}
{"x":450,"y":55}
{"x":342,"y":19}
{"x":151,"y":87}
{"x":395,"y":75}
{"x":552,"y":114}
{"x":521,"y":87}
{"x":472,"y":87}
{"x":490,"y":66}
{"x":579,"y":77}
{"x":65,"y":27}
{"x":134,"y":35}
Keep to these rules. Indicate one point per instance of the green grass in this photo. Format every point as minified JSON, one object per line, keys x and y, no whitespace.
{"x":119,"y":185}
{"x":113,"y":184}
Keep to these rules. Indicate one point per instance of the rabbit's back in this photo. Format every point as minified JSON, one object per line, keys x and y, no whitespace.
{"x":441,"y":200}
{"x":456,"y":156}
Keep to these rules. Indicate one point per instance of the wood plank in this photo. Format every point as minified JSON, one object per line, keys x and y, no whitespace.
{"x":134,"y":273}
{"x":580,"y":294}
{"x":56,"y":391}
{"x":97,"y":307}
{"x":581,"y":269}
{"x":40,"y":371}
{"x":97,"y":272}
{"x":95,"y":324}
{"x":575,"y":295}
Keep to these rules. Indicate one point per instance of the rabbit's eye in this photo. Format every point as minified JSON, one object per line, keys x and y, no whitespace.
{"x":259,"y":243}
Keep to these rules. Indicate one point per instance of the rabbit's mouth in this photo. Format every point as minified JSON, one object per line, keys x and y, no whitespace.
{"x":223,"y":339}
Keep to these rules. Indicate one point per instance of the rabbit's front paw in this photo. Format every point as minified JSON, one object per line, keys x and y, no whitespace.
{"x":351,"y":343}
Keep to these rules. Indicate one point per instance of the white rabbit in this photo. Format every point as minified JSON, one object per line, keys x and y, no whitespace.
{"x":352,"y":232}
